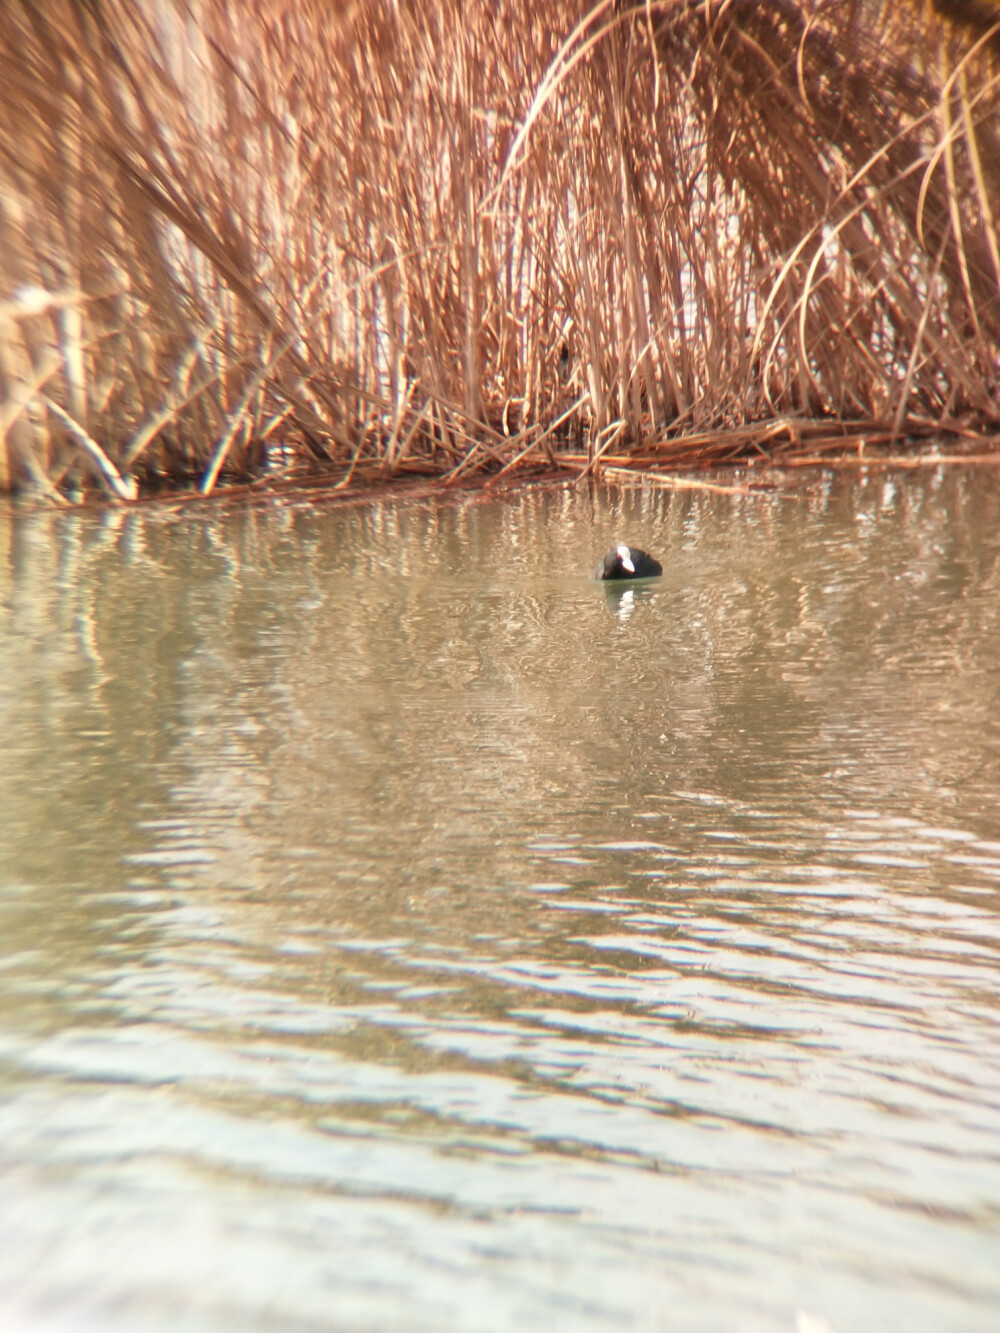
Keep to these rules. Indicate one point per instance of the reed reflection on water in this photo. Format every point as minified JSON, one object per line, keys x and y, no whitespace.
{"x":401,"y":930}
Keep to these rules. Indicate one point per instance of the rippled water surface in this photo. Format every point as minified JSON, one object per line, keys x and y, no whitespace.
{"x":401,"y":931}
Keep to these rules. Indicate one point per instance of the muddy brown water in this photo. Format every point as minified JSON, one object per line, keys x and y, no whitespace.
{"x":401,"y":931}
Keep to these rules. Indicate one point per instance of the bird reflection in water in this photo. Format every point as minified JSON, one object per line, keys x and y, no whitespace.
{"x":622,"y":600}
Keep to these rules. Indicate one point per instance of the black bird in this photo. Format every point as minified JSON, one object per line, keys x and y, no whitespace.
{"x":628,"y":562}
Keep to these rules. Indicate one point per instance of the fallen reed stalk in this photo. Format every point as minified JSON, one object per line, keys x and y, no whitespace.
{"x":287,"y":239}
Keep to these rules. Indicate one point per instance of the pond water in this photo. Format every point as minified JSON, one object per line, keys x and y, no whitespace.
{"x":403,"y":931}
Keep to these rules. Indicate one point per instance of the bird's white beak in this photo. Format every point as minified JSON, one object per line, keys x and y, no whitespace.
{"x":625,"y":556}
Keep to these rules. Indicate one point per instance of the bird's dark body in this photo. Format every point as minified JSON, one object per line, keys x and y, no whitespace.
{"x":628,"y":562}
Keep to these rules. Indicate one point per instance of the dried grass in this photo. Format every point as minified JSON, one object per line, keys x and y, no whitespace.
{"x":453,"y":239}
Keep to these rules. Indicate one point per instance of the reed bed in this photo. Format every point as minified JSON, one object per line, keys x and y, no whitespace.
{"x":288,"y":239}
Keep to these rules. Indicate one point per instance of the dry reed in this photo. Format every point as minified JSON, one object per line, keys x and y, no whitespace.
{"x":445,"y":238}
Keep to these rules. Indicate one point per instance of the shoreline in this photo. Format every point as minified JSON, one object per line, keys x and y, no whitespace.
{"x":810,"y":445}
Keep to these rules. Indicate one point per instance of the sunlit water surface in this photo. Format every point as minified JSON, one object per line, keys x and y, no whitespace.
{"x":401,"y":931}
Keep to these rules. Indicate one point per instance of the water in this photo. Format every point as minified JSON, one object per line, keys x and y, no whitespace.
{"x":403,"y":932}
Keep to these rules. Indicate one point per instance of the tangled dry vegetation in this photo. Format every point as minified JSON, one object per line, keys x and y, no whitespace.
{"x":288,"y":238}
